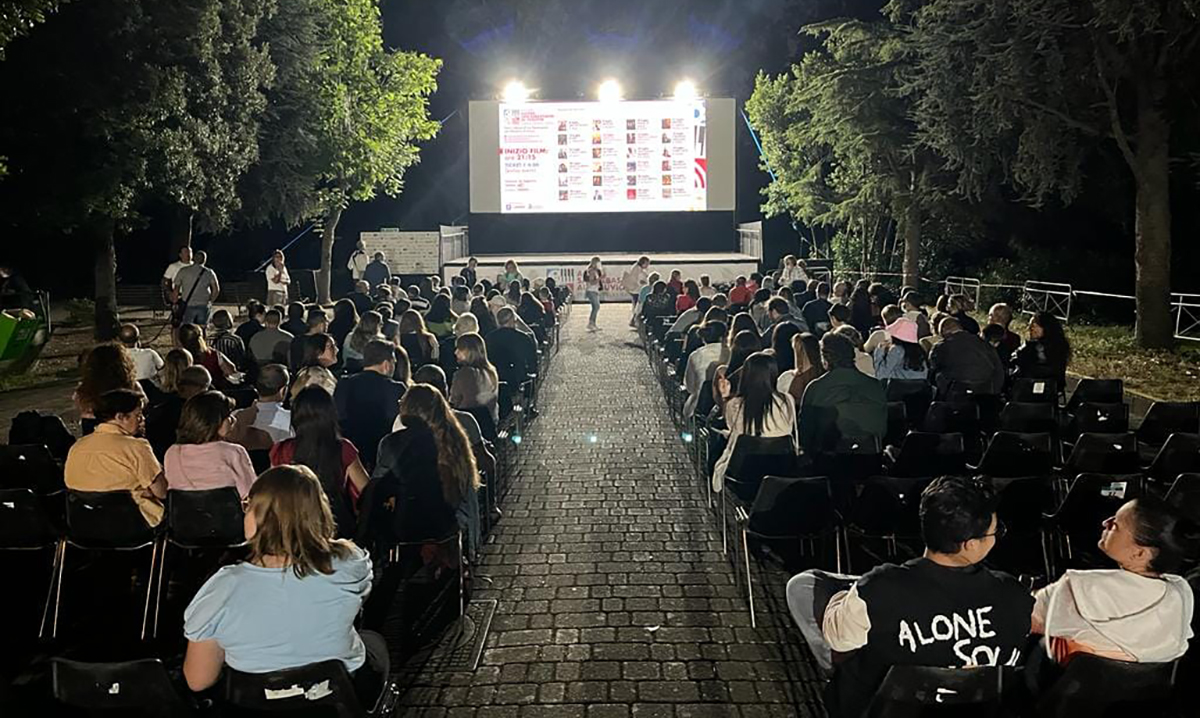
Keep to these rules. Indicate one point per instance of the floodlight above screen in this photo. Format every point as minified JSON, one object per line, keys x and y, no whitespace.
{"x":570,"y":157}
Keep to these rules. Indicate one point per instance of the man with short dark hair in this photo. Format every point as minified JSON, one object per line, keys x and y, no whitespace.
{"x":779,"y":311}
{"x":361,"y":297}
{"x":315,"y":322}
{"x":266,"y":422}
{"x":271,"y":344}
{"x":377,"y":272}
{"x":839,"y":315}
{"x":253,"y":324}
{"x":368,"y":401}
{"x":842,"y":403}
{"x":163,"y":419}
{"x":817,"y":311}
{"x":146,"y":362}
{"x":943,"y":609}
{"x":469,"y":273}
{"x":964,"y":359}
{"x":690,"y":316}
{"x":225,"y":341}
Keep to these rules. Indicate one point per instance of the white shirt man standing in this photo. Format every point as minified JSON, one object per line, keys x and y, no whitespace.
{"x":357,"y":264}
{"x":277,"y":280}
{"x":168,"y":278}
{"x":197,"y":286}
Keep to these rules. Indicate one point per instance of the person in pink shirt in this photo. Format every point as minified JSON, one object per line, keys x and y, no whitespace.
{"x":201,"y":458}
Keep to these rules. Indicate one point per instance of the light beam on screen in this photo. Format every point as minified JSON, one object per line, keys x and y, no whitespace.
{"x":686,"y":90}
{"x":609,"y":91}
{"x":515,"y":92}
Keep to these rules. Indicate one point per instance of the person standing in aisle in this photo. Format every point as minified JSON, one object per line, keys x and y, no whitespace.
{"x":633,"y":280}
{"x":168,"y":278}
{"x":196,"y":287}
{"x":278,"y":280}
{"x":593,"y":283}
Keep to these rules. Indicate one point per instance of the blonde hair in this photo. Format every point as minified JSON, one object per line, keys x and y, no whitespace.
{"x":174,"y":363}
{"x":294,"y":521}
{"x":476,"y":355}
{"x":456,"y":462}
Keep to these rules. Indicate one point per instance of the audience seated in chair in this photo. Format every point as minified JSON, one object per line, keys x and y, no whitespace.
{"x":436,"y":378}
{"x":900,"y":355}
{"x":162,"y":420}
{"x":367,"y":402}
{"x":256,"y":315}
{"x":146,"y":361}
{"x":1046,"y":354}
{"x":1140,"y":611}
{"x":318,"y":356}
{"x":270,"y":344}
{"x":806,"y":355}
{"x":319,"y":445}
{"x":965,"y":358}
{"x":202,"y":456}
{"x":476,"y":383}
{"x":316,"y":321}
{"x":115,"y":458}
{"x":265,"y":422}
{"x":294,"y":601}
{"x":756,"y":408}
{"x":702,"y":364}
{"x":104,"y":367}
{"x":943,"y":609}
{"x":841,"y":403}
{"x":512,"y":352}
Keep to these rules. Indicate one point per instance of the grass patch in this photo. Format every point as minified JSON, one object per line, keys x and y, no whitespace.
{"x":1110,"y":352}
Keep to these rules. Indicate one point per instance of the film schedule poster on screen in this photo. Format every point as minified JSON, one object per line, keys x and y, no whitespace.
{"x":603,"y":157}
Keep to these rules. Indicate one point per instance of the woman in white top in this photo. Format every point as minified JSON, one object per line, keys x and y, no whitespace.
{"x":277,"y":280}
{"x":793,"y":271}
{"x":756,"y":408}
{"x":1141,"y":611}
{"x":706,"y":287}
{"x":862,"y":360}
{"x":593,"y":284}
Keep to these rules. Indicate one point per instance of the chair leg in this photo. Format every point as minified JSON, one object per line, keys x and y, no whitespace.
{"x":149,"y":587}
{"x":1046,"y":562}
{"x":749,"y":582}
{"x":62,"y":562}
{"x":55,"y":577}
{"x":838,"y":550}
{"x":462,"y":609}
{"x":724,"y":528}
{"x":162,"y":569}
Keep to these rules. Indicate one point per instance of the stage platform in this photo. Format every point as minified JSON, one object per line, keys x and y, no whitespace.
{"x":721,"y":267}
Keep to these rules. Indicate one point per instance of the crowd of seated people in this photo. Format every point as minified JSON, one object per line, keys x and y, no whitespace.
{"x":382,"y":442}
{"x":947,"y":607}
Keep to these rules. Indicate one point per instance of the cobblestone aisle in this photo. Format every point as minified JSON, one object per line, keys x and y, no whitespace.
{"x":613,"y":597}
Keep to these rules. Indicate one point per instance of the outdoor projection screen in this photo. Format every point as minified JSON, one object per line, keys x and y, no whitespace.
{"x":569,"y":157}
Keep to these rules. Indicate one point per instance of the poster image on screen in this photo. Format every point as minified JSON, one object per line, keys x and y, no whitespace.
{"x":603,"y":157}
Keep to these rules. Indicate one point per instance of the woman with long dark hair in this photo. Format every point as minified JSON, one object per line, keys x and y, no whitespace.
{"x":190,"y":337}
{"x":345,"y":318}
{"x":533,"y":314}
{"x":487,"y":320}
{"x":902,"y":357}
{"x":440,"y":318}
{"x":757,"y":409}
{"x":743,"y":322}
{"x":421,"y":345}
{"x":476,"y":384}
{"x":687,"y":299}
{"x":781,"y":345}
{"x":728,"y":375}
{"x":319,"y":445}
{"x":318,"y":354}
{"x":861,"y":317}
{"x":1046,"y":353}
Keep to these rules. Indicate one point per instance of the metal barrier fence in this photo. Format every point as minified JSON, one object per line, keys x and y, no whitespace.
{"x":750,"y":239}
{"x":964,"y":285}
{"x":1052,"y":297}
{"x":1187,"y":316}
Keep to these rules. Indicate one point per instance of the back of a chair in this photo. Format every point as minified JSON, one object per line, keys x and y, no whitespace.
{"x":205,"y":519}
{"x":1169,"y":417}
{"x":911,"y":691}
{"x":1028,"y":391}
{"x":317,"y":688}
{"x":928,"y":454}
{"x":1184,"y":495}
{"x":1028,"y":417}
{"x":30,"y":466}
{"x":888,"y":506}
{"x":23,"y":521}
{"x":1096,"y":418}
{"x":704,"y":401}
{"x":1100,"y":687}
{"x":1180,"y":454}
{"x":487,"y":425}
{"x":106,"y":519}
{"x":1097,"y":391}
{"x":1012,"y":454}
{"x":897,"y":423}
{"x":1092,"y":498}
{"x":1021,"y":501}
{"x":915,"y":393}
{"x":754,"y":457}
{"x":946,"y":417}
{"x":1104,"y":454}
{"x":129,"y":688}
{"x":789,"y":506}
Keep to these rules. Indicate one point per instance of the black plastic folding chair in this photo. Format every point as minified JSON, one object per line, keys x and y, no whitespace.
{"x":1169,"y":417}
{"x":1010,"y":454}
{"x":131,"y":688}
{"x":30,"y":466}
{"x":925,"y":691}
{"x":1096,"y":391}
{"x":1028,"y":390}
{"x":923,"y":454}
{"x":323,"y":688}
{"x":1101,"y":687}
{"x":1104,"y":454}
{"x":1180,"y":454}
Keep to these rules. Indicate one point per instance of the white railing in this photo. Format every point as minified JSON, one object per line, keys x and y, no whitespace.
{"x":456,"y":243}
{"x":1187,"y":316}
{"x":1052,"y":297}
{"x":964,"y":285}
{"x":750,"y":239}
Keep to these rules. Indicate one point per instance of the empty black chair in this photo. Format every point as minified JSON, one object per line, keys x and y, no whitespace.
{"x":487,"y":425}
{"x":1169,"y":417}
{"x":30,"y":466}
{"x":132,"y":688}
{"x":1021,"y":504}
{"x":1104,"y":454}
{"x":886,"y":509}
{"x":920,"y":691}
{"x":1102,"y":688}
{"x":1096,"y":391}
{"x":792,"y":515}
{"x":916,"y":394}
{"x":1184,"y":495}
{"x":211,"y":518}
{"x":25,"y":526}
{"x":1091,"y":498}
{"x":754,"y":458}
{"x":1027,"y":390}
{"x":104,"y":521}
{"x":932,"y":455}
{"x":956,"y":418}
{"x":1011,"y":454}
{"x":1180,"y":454}
{"x":323,"y":688}
{"x":1096,"y":418}
{"x":897,"y":423}
{"x":1028,"y":418}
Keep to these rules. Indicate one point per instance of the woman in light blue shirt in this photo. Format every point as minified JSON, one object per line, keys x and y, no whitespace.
{"x":293,"y":602}
{"x":902,"y":357}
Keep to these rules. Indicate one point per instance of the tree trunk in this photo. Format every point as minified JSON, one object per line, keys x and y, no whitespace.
{"x":325,"y":274}
{"x":1153,"y":225}
{"x":181,"y":231}
{"x":912,"y":246}
{"x":107,"y":319}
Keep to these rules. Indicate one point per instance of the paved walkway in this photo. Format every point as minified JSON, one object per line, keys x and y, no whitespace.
{"x":613,"y":597}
